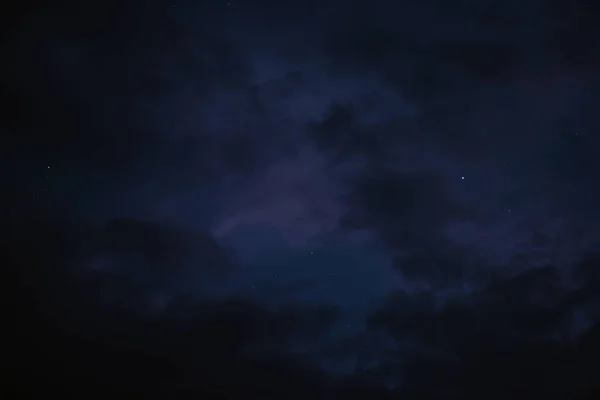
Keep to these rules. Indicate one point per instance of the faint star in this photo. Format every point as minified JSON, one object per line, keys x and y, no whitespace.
{"x":312,"y":252}
{"x":48,"y":167}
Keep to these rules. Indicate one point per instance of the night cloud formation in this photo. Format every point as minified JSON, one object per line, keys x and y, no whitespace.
{"x":302,"y":199}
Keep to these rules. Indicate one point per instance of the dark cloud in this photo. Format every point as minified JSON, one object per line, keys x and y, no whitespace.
{"x":409,"y":213}
{"x":160,"y":247}
{"x":59,"y":329}
{"x":572,"y":40}
{"x":512,"y":335}
{"x":124,"y":262}
{"x":403,"y":199}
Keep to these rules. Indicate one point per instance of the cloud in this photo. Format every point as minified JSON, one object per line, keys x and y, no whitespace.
{"x":125,"y":263}
{"x":299,"y":196}
{"x":409,"y":212}
{"x":520,"y":326}
{"x":46,"y":276}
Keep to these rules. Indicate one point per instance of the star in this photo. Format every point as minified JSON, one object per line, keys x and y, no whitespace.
{"x":462,"y":177}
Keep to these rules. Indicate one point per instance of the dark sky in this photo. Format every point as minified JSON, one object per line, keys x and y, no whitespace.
{"x":303,"y":199}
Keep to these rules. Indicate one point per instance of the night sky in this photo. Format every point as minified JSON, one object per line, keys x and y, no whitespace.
{"x":301,"y":199}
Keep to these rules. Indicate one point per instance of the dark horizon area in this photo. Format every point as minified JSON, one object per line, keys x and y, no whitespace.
{"x":301,"y":199}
